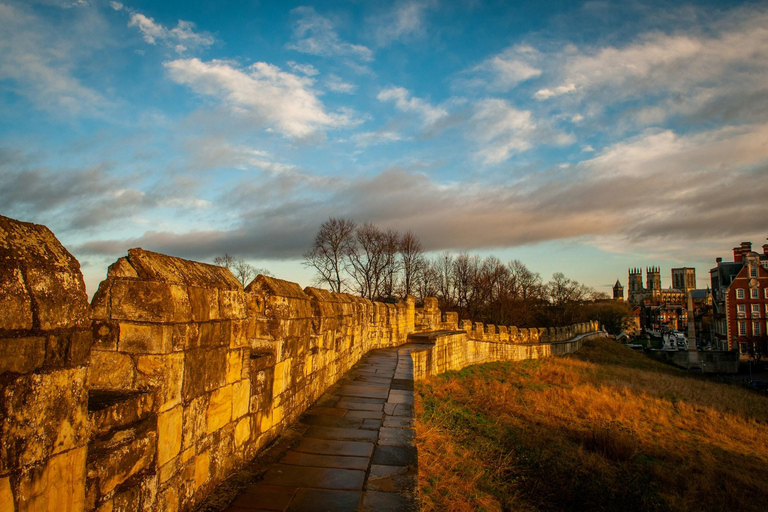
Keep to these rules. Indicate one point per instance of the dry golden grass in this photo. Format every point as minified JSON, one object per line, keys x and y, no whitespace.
{"x":604,"y":429}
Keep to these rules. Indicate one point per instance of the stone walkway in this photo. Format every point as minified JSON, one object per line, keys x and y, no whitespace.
{"x":357,"y":452}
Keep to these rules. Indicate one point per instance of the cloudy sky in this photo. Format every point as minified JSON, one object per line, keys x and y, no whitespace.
{"x":583,"y":137}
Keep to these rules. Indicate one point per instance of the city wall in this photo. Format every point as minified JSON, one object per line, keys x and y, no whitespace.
{"x":476,"y":343}
{"x":174,"y":376}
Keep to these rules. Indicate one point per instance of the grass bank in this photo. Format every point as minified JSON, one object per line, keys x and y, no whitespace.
{"x":603,"y":429}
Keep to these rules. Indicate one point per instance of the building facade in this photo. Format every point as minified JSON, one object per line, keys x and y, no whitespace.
{"x":740,"y":302}
{"x":660,"y":309}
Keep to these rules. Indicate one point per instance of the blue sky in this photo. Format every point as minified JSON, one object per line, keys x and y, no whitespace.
{"x":578,"y":137}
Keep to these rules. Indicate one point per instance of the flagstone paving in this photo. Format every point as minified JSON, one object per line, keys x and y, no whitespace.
{"x":357,"y":450}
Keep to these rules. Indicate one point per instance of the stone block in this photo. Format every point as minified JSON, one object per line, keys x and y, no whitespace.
{"x":168,"y":435}
{"x":204,"y":371}
{"x":232,"y":304}
{"x":59,"y":294}
{"x":204,"y":303}
{"x":145,"y":338}
{"x":128,"y":454}
{"x":219,"y":408}
{"x":282,"y":377}
{"x":202,"y":468}
{"x":55,"y":486}
{"x":21,"y":355}
{"x":15,"y":302}
{"x":146,"y":301}
{"x":111,"y":370}
{"x":234,"y":365}
{"x":6,"y":495}
{"x":242,"y":431}
{"x":164,"y":372}
{"x":214,"y":334}
{"x":105,"y":334}
{"x":109,"y":410}
{"x":241,"y":398}
{"x":44,"y":414}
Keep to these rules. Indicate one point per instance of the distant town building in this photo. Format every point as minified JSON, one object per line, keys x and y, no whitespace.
{"x":740,"y":301}
{"x":618,"y":291}
{"x":660,"y":309}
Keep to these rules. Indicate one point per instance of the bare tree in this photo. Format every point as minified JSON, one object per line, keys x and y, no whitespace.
{"x":243,"y":271}
{"x":367,"y":260}
{"x":392,"y":264}
{"x":565,"y":296}
{"x":225,"y":261}
{"x":444,"y":268}
{"x":330,"y":252}
{"x":426,"y":281}
{"x":412,"y":259}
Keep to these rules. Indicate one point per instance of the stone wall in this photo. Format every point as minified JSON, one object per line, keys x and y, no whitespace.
{"x":175,"y":375}
{"x":45,"y":337}
{"x":478,"y":343}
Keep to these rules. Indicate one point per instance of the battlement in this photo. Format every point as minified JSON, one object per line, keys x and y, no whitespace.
{"x":174,"y":376}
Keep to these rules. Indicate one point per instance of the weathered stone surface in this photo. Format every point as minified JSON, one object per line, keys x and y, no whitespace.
{"x":49,"y":273}
{"x":148,"y":301}
{"x":165,"y":373}
{"x":6,"y":495}
{"x":219,"y":408}
{"x":45,"y":415}
{"x":15,"y":301}
{"x":169,"y":435}
{"x":123,"y":457}
{"x":241,"y":395}
{"x":55,"y":486}
{"x":202,"y":468}
{"x":21,"y":355}
{"x":111,"y":370}
{"x":145,"y":338}
{"x":109,"y":409}
{"x":204,"y":371}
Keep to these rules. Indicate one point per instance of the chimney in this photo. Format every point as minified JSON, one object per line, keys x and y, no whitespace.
{"x":765,"y":248}
{"x":746,"y":248}
{"x":737,"y":254}
{"x":720,"y":260}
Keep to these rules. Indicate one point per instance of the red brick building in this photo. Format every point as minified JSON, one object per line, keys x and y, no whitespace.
{"x":740,"y":302}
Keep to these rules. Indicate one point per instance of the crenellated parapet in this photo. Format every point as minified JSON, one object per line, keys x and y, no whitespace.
{"x":45,"y":339}
{"x":175,"y":375}
{"x":477,"y":343}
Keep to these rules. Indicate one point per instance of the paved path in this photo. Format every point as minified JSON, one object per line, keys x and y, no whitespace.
{"x":358,"y":450}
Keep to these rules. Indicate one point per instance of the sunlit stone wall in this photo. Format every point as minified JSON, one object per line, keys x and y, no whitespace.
{"x":478,"y":343}
{"x":45,"y":336}
{"x":175,"y":375}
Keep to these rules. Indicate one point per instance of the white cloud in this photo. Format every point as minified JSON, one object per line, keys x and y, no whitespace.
{"x":544,"y":94}
{"x":403,"y":21}
{"x":716,"y":69}
{"x":304,"y":69}
{"x":315,"y":35}
{"x":407,"y":103}
{"x":378,"y":137}
{"x":502,"y":130}
{"x":39,"y":61}
{"x":180,"y":38}
{"x":261,"y":92}
{"x":506,"y":70}
{"x":336,"y":84}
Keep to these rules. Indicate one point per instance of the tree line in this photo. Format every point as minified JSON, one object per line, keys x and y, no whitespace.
{"x":380,"y":264}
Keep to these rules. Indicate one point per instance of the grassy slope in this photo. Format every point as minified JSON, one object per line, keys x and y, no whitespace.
{"x":603,"y":429}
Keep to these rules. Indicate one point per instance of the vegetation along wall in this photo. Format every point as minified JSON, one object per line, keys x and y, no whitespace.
{"x":175,"y":375}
